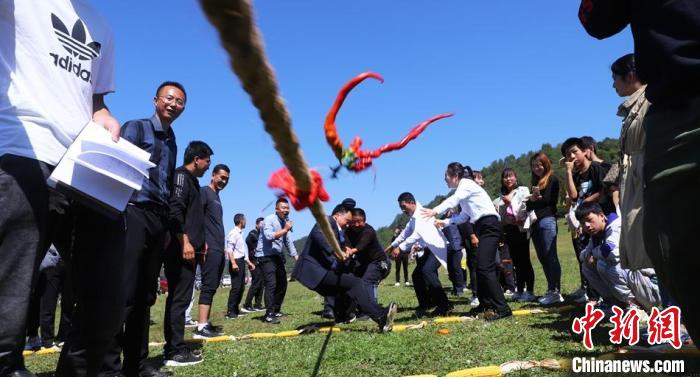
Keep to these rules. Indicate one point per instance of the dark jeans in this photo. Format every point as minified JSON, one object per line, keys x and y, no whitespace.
{"x":256,"y":289}
{"x":180,"y":275}
{"x":29,"y":217}
{"x":143,"y":255}
{"x":520,"y":252}
{"x":544,"y":239}
{"x":98,"y":279}
{"x":489,"y":291}
{"x":237,"y":285}
{"x":372,"y":274}
{"x":349,"y":291}
{"x":454,"y":270}
{"x":49,"y":286}
{"x":506,"y":276}
{"x":672,"y":178}
{"x":402,"y":262}
{"x":212,"y":269}
{"x":426,"y":282}
{"x":275,"y":277}
{"x":580,"y":243}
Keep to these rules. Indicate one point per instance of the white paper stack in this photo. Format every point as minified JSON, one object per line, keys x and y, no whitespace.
{"x":99,"y":171}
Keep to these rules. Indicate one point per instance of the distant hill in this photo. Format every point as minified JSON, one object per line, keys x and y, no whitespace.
{"x":608,"y":150}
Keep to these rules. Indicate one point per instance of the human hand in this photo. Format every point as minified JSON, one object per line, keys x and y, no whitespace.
{"x":440,"y":223}
{"x":288,"y":225}
{"x":474,"y":240}
{"x":187,"y":251}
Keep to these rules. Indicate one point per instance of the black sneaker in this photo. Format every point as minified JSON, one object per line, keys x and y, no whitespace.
{"x":346,"y":320}
{"x":206,"y":332}
{"x":363,"y":317}
{"x":259,"y":308}
{"x":182,"y":358}
{"x":271,"y":319}
{"x":386,"y":324}
{"x":280,"y":314}
{"x":421,"y":312}
{"x":494,"y":316}
{"x":328,"y":314}
{"x":231,"y":316}
{"x":217,"y":329}
{"x":247,"y":309}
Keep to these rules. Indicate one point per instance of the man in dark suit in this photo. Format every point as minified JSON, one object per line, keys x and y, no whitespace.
{"x":319,"y":270}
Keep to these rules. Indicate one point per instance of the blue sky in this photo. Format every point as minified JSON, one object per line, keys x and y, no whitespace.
{"x":516,"y":74}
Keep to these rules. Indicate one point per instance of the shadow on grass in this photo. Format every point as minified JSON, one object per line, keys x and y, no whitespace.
{"x":319,"y":360}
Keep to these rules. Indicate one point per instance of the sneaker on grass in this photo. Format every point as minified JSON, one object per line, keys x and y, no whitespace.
{"x":247,"y":309}
{"x":386,"y":323}
{"x":551,"y":298}
{"x":526,"y":296}
{"x":397,"y":284}
{"x":206,"y":332}
{"x":191,"y":323}
{"x":183,"y":357}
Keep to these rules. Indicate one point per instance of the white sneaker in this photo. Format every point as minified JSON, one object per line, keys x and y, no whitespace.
{"x":551,"y":297}
{"x":527,"y":296}
{"x":474,"y":302}
{"x":508,"y":294}
{"x":191,"y":323}
{"x":408,"y":284}
{"x":397,"y":284}
{"x":578,"y":293}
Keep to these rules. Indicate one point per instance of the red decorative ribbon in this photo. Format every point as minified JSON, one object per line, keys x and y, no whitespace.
{"x":354,"y":158}
{"x":282,"y":179}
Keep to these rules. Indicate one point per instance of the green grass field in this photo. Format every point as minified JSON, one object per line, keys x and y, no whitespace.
{"x":359,"y":350}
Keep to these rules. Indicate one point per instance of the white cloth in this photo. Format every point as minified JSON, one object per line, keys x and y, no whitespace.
{"x":54,"y":55}
{"x":235,"y":244}
{"x":473,"y":199}
{"x":422,"y":231}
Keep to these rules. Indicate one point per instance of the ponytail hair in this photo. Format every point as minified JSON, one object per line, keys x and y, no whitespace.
{"x":455,"y":169}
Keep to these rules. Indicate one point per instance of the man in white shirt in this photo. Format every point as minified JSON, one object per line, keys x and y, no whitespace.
{"x":237,"y":251}
{"x":421,"y":234}
{"x":56,"y":65}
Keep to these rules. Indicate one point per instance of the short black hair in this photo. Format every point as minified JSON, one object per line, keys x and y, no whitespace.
{"x":624,"y":65}
{"x":349,"y":203}
{"x":281,"y":199}
{"x":197,"y":148}
{"x":585,"y":209}
{"x":359,"y":212}
{"x":339,"y":210}
{"x":172,"y":83}
{"x":407,"y":197}
{"x":570,"y":142}
{"x":589,"y":143}
{"x":221,"y":167}
{"x":258,"y":220}
{"x":237,"y":218}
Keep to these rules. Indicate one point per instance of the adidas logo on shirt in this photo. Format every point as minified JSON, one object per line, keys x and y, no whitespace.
{"x":75,"y":43}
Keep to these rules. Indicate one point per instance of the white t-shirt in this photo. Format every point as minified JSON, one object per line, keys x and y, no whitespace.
{"x":54,"y":55}
{"x":473,"y":199}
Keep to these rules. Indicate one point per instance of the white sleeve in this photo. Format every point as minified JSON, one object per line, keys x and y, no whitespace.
{"x":408,"y":242}
{"x":404,"y":233}
{"x":461,"y":193}
{"x":230,"y":244}
{"x":103,"y":68}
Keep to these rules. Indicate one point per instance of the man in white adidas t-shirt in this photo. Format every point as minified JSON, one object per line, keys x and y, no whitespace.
{"x":56,"y":65}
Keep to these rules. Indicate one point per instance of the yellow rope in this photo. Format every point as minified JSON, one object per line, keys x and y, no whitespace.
{"x":243,"y":42}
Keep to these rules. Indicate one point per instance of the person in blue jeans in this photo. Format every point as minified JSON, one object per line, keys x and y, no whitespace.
{"x":543,"y":204}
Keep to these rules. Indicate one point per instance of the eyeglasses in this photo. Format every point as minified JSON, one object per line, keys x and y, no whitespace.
{"x":170,"y":99}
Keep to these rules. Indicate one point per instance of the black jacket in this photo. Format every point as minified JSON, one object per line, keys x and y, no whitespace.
{"x":186,"y":210}
{"x":666,"y":41}
{"x":317,"y":258}
{"x":252,"y":242}
{"x":367,"y":245}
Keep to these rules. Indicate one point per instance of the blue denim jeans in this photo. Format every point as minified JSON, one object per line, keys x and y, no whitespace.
{"x":544,"y":238}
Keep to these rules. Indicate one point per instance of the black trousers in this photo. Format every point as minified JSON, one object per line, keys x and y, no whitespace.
{"x":275,"y":277}
{"x":180,"y":275}
{"x":489,"y":291}
{"x":520,"y":252}
{"x":42,"y":313}
{"x":454,"y":270}
{"x":237,"y":285}
{"x":145,"y":244}
{"x":256,"y":289}
{"x":32,"y":218}
{"x":426,"y":282}
{"x":98,"y":279}
{"x":579,"y":244}
{"x":212,"y":269}
{"x":471,"y":266}
{"x":349,"y":291}
{"x":402,"y":262}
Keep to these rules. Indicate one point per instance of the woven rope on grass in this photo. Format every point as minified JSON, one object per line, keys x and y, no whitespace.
{"x":242,"y":40}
